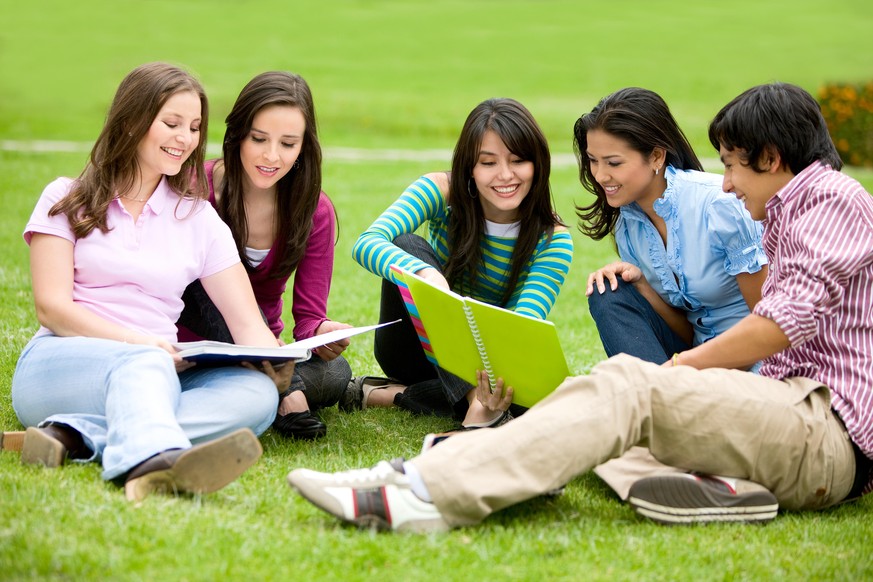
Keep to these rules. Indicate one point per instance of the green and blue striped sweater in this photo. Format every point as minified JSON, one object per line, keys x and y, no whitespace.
{"x":422,"y":202}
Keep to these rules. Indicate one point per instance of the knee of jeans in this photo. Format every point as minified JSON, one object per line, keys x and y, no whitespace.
{"x":602,"y":303}
{"x":599,"y":303}
{"x":147,"y":356}
{"x":262,"y":403}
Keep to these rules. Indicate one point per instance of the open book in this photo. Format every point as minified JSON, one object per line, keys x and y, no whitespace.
{"x":462,"y":335}
{"x":212,"y":353}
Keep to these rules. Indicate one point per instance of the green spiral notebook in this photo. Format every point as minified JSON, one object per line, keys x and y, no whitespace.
{"x":462,"y":335}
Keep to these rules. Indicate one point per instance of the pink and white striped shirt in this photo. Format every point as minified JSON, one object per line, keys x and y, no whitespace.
{"x":818,"y":235}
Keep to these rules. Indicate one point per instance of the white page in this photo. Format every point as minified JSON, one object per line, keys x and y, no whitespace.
{"x":332,"y":336}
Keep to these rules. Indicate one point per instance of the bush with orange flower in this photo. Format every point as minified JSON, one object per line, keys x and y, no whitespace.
{"x":848,"y":110}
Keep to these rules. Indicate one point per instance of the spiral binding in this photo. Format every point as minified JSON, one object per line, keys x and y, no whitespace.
{"x":480,"y":346}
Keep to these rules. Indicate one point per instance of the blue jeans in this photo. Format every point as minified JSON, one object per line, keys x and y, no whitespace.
{"x":128,"y":402}
{"x":628,"y":324}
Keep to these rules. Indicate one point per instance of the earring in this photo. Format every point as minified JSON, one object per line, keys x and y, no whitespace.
{"x":130,"y":134}
{"x":472,"y":192}
{"x":656,"y":171}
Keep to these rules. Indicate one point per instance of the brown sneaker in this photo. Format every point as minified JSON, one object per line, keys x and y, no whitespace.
{"x":203,"y":468}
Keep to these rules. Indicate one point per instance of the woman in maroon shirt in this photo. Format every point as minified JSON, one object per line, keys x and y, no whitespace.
{"x":267,"y":188}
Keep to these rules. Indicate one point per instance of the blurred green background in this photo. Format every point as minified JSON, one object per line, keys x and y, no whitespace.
{"x":404,"y":74}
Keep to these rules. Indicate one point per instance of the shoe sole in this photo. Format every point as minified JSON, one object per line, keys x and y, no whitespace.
{"x":12,"y":441}
{"x":39,"y":448}
{"x":201,"y":469}
{"x":679,"y":501}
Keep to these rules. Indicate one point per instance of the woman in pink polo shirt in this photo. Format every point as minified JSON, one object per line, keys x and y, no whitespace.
{"x":267,"y":188}
{"x":111,"y":253}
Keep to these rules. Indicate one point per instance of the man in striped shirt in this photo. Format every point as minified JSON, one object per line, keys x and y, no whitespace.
{"x":798,"y":435}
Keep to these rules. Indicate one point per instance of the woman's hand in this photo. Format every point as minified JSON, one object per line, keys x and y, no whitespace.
{"x":332,"y":350}
{"x":280,"y":375}
{"x":496,"y":401}
{"x":132,"y":337}
{"x":629,"y":274}
{"x":433,"y":276}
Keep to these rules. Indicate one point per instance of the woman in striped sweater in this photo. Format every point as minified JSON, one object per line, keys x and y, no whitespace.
{"x":492,"y":234}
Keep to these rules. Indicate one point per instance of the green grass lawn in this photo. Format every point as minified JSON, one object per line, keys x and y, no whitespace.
{"x":400,"y":75}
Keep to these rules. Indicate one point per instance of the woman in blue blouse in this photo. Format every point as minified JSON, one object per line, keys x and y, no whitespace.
{"x":692,"y":262}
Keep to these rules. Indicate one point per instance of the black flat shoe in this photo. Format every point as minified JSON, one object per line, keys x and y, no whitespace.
{"x":300,"y":425}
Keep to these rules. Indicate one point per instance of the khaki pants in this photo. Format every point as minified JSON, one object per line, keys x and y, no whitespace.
{"x":781,"y":434}
{"x":638,"y":463}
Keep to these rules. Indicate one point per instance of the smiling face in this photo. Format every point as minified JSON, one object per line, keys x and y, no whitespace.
{"x":272,"y":145}
{"x":172,"y":137}
{"x":755,"y":189}
{"x":502,"y":178}
{"x":625,"y":174}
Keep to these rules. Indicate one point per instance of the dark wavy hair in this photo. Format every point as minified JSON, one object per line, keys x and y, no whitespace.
{"x":515,"y":125}
{"x":297,"y":193}
{"x":113,"y":167}
{"x":641,"y":119}
{"x":779,"y":116}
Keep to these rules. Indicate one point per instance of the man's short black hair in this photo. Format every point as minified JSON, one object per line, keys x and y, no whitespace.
{"x":777,"y":116}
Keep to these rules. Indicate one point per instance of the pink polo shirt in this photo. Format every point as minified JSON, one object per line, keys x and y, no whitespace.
{"x":135,"y":273}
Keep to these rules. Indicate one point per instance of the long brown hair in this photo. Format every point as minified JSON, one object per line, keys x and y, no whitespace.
{"x":297,"y":193}
{"x":515,"y":125}
{"x":642,"y":119}
{"x":113,"y":167}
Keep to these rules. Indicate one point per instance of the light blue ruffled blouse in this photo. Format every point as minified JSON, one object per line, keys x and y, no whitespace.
{"x":710,"y":239}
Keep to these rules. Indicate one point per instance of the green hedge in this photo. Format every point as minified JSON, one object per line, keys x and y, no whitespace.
{"x":848,"y":110}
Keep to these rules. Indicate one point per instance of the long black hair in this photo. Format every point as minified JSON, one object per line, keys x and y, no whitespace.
{"x":640,"y":118}
{"x":297,"y":193}
{"x":516,"y":127}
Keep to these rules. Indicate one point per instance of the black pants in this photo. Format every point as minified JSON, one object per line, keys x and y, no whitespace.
{"x":400,"y":355}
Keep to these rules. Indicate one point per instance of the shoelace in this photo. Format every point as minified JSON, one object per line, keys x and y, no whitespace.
{"x":383,"y":471}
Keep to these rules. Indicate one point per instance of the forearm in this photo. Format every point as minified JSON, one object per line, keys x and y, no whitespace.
{"x":751,"y":340}
{"x":232,"y":294}
{"x":74,"y":320}
{"x":675,"y":318}
{"x":375,"y":251}
{"x":547,"y":276}
{"x":252,"y":332}
{"x":312,"y":279}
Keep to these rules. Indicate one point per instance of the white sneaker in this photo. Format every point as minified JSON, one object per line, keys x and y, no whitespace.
{"x":377,"y":498}
{"x":683,"y":498}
